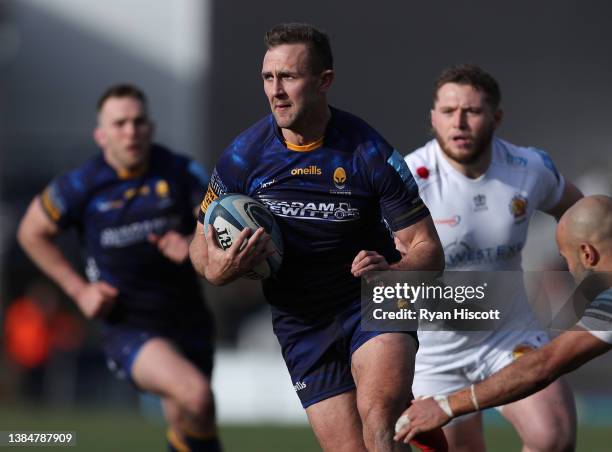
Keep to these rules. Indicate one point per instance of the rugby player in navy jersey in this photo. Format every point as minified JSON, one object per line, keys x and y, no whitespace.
{"x":134,"y":207}
{"x":336,"y":188}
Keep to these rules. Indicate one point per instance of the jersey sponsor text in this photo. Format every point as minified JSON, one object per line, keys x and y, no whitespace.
{"x":330,"y":211}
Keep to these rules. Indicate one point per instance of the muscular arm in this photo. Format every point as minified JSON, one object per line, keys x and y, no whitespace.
{"x":527,"y":375}
{"x":420,"y":247}
{"x":532,"y":372}
{"x":570,"y":195}
{"x":36,"y":234}
{"x":198,"y":252}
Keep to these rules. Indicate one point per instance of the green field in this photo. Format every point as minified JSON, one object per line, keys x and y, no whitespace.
{"x":107,"y":431}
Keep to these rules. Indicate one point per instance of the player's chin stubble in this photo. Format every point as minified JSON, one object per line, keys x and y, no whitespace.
{"x":480,"y":147}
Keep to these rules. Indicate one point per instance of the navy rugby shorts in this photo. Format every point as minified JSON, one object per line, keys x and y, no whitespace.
{"x":121,"y":345}
{"x":318,"y":349}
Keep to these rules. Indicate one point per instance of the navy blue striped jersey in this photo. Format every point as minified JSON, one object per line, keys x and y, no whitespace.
{"x":330,"y":202}
{"x":114,"y":215}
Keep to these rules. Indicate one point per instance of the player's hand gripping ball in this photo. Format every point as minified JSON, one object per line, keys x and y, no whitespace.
{"x":231,"y":213}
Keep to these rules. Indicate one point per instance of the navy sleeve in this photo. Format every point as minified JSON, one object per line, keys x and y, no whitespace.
{"x":64,"y":198}
{"x":391,"y":179}
{"x":224,"y":179}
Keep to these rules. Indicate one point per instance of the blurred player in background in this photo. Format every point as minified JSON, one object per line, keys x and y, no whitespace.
{"x":584,"y":238}
{"x":134,"y":207}
{"x":330,"y":180}
{"x":482,"y":191}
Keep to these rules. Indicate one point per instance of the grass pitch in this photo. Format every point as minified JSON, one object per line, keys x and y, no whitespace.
{"x":106,"y":431}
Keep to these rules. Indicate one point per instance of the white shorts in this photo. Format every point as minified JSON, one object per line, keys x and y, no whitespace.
{"x":474,"y":365}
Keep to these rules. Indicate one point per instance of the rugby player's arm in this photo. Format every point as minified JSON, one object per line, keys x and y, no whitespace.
{"x":221,"y":267}
{"x":420,"y":247}
{"x":570,"y":195}
{"x":198,"y":250}
{"x":36,"y":235}
{"x":530,"y":373}
{"x":525,"y":376}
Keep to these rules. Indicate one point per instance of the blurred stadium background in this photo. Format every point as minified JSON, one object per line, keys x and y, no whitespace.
{"x":199,"y":62}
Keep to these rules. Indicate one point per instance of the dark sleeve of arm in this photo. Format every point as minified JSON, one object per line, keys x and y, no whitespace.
{"x":400,"y":202}
{"x":225,"y":178}
{"x":63,"y":199}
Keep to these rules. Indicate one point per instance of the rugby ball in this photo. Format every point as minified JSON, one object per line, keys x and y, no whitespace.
{"x":231,"y":213}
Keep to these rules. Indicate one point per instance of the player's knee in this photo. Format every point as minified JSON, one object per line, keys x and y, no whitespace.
{"x":551,"y":439}
{"x":200,"y":404}
{"x":196,"y":399}
{"x":377,"y":416}
{"x":548,"y":446}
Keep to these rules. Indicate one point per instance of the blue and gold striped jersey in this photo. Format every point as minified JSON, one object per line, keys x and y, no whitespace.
{"x":115,"y":213}
{"x":331,"y":199}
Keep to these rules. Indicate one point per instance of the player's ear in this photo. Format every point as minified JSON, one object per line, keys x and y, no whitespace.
{"x":99,"y":137}
{"x":589,"y":256}
{"x":327,"y":77}
{"x":498,"y":116}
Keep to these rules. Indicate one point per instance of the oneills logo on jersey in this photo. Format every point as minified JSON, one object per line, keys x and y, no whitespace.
{"x":162,"y":190}
{"x":130,"y":193}
{"x":105,"y":206}
{"x":144,"y":190}
{"x":313,"y":170}
{"x":518,"y":207}
{"x":299,"y":386}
